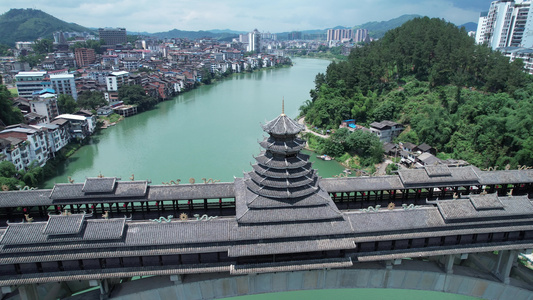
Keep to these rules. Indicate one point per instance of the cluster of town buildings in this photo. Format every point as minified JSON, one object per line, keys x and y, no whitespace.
{"x":163,"y":69}
{"x":410,"y":155}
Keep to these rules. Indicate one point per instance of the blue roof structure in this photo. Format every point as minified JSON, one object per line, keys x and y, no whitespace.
{"x":44,"y":91}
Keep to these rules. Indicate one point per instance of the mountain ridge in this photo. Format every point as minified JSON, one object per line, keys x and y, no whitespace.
{"x":27,"y":24}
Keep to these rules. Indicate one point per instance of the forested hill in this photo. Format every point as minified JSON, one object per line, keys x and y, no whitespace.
{"x":31,"y":24}
{"x":462,"y":98}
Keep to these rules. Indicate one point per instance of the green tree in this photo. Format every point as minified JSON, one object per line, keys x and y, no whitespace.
{"x":91,"y":100}
{"x":367,"y":146}
{"x":135,"y":95}
{"x":43,"y":46}
{"x":5,"y":50}
{"x":91,"y":44}
{"x":32,"y":175}
{"x":7,"y":169}
{"x":66,"y":104}
{"x":32,"y":59}
{"x":9,"y":114}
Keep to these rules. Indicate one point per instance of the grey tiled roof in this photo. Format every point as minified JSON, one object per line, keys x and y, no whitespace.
{"x":439,"y":170}
{"x":191,"y":191}
{"x":99,"y":185}
{"x":131,"y":188}
{"x":489,"y":201}
{"x":97,"y":230}
{"x":394,"y":220}
{"x":24,"y":233}
{"x":278,"y":162}
{"x":283,"y":182}
{"x":75,"y":191}
{"x":283,"y":125}
{"x":362,"y":184}
{"x":282,"y":173}
{"x":268,"y":248}
{"x":63,"y":224}
{"x":463,"y":209}
{"x":67,"y":191}
{"x":281,"y":193}
{"x":277,"y":146}
{"x":503,"y":177}
{"x":256,"y":201}
{"x":289,"y":230}
{"x":289,"y":214}
{"x":25,"y":198}
{"x":421,"y":177}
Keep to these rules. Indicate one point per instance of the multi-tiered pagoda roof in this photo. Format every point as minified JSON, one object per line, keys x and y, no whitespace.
{"x":283,"y":187}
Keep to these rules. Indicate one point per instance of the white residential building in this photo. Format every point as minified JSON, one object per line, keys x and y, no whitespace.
{"x":64,"y":84}
{"x":44,"y":103}
{"x":116,"y":80}
{"x":254,"y":38}
{"x":386,"y":130}
{"x":506,"y":24}
{"x":57,"y":136}
{"x":80,"y":126}
{"x":29,"y":82}
{"x":35,"y":144}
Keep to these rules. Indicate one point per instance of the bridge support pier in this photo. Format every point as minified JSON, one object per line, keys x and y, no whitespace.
{"x":28,"y":292}
{"x":394,"y":262}
{"x":177,"y":279}
{"x":105,"y":285}
{"x":506,"y":260}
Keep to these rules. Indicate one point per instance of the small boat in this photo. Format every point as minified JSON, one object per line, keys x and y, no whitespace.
{"x":324,"y":157}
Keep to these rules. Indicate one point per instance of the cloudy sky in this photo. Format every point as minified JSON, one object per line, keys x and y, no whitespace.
{"x":267,"y":16}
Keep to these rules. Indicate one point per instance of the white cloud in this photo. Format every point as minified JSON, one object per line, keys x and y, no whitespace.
{"x":273,"y":16}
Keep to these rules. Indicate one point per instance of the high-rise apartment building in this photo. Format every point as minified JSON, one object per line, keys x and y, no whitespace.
{"x":360,"y":35}
{"x":339,"y":34}
{"x":84,"y":56}
{"x":507,"y":24}
{"x":113,"y":36}
{"x":253,"y":41}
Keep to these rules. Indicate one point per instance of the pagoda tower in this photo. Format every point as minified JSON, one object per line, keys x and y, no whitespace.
{"x":283,"y":188}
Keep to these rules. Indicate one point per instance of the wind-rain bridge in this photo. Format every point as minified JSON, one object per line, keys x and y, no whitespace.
{"x":278,"y":228}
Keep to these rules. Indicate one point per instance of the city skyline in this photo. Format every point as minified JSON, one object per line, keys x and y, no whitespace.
{"x":273,"y":16}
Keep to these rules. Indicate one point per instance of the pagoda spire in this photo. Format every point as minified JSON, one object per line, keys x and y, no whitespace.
{"x":283,"y":106}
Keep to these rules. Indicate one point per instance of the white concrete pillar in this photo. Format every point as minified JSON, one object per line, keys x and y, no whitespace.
{"x":506,"y":260}
{"x":448,"y":263}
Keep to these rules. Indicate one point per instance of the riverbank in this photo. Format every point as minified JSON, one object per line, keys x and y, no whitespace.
{"x":207,"y":132}
{"x":350,"y":161}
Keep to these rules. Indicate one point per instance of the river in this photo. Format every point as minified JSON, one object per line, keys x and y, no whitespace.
{"x":212,"y":132}
{"x":209,"y":132}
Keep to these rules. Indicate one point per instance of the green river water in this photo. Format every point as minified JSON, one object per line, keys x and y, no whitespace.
{"x":209,"y":132}
{"x":212,"y":132}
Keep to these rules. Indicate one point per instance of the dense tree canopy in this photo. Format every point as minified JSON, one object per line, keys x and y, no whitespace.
{"x":91,"y":44}
{"x":457,"y":96}
{"x":135,"y":95}
{"x":66,"y":104}
{"x":91,"y":99}
{"x":8,"y":114}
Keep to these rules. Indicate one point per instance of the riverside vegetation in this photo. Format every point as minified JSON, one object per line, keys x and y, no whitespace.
{"x":464,"y":99}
